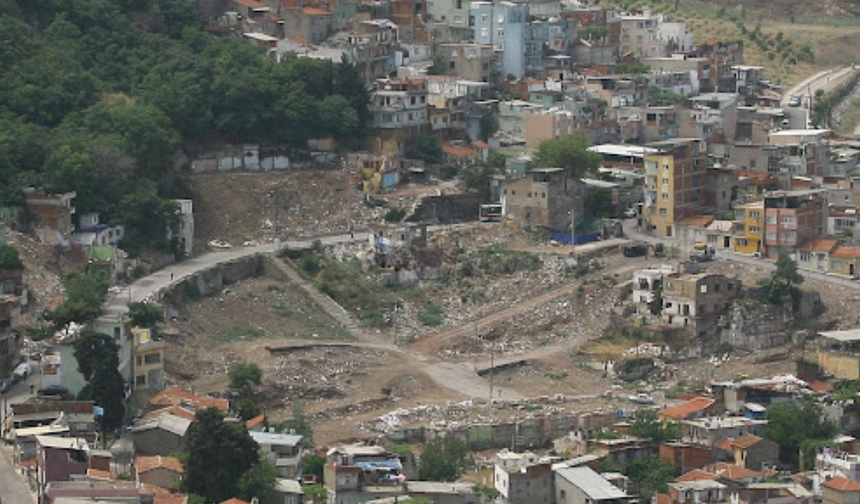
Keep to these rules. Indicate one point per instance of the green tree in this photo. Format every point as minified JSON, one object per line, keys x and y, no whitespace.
{"x":569,"y":152}
{"x":98,"y":362}
{"x":145,"y":315}
{"x":598,"y":202}
{"x":258,"y":481}
{"x":314,"y":464}
{"x":647,"y":425}
{"x":248,"y":409}
{"x":798,"y":426}
{"x":85,"y":293}
{"x":219,"y":453}
{"x":316,"y":494}
{"x":653,"y":475}
{"x":443,"y":460}
{"x":244,"y":376}
{"x":10,"y":259}
{"x":427,"y":149}
{"x":783,"y":283}
{"x":301,"y":424}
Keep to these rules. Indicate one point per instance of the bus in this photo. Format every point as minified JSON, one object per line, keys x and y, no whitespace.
{"x":490,"y":213}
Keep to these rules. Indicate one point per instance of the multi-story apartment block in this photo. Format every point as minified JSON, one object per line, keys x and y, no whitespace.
{"x":748,"y":227}
{"x":792,"y":218}
{"x":674,"y":183}
{"x":648,"y":36}
{"x":472,"y":62}
{"x":399,"y":108}
{"x":504,"y":25}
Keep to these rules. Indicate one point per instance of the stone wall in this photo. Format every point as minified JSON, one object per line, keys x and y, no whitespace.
{"x":530,"y":433}
{"x":213,"y":280}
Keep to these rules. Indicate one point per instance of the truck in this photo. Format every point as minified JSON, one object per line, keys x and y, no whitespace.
{"x":702,"y":252}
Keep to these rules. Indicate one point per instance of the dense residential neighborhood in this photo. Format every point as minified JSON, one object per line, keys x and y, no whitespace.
{"x":429,"y":252}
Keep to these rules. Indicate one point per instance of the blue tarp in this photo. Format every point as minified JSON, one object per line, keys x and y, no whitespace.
{"x":578,"y":240}
{"x":379,"y":464}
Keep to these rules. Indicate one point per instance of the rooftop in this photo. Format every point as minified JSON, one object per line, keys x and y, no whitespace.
{"x":274,"y":438}
{"x":685,"y":409}
{"x":845,"y":336}
{"x":713,"y":423}
{"x":696,"y":475}
{"x":591,"y":483}
{"x":841,"y":484}
{"x":146,"y":464}
{"x":170,"y":423}
{"x":62,"y":443}
{"x":174,"y":396}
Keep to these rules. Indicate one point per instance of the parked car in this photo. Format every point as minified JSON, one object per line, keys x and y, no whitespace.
{"x":6,"y":385}
{"x":641,"y":399}
{"x":794,"y":101}
{"x":638,"y":250}
{"x":22,"y":371}
{"x":54,"y":390}
{"x":630,"y":213}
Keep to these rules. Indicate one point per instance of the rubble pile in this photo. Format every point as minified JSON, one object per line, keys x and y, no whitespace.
{"x":41,"y":275}
{"x":474,"y":412}
{"x":330,"y":367}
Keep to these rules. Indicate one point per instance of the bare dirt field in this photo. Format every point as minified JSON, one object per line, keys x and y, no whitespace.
{"x":553,"y":318}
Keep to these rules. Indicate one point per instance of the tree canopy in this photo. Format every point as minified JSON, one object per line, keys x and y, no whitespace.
{"x":443,"y":460}
{"x":98,"y":362}
{"x":569,"y":152}
{"x":783,"y":283}
{"x":98,"y":96}
{"x":219,"y":454}
{"x":798,"y":426}
{"x":244,"y":375}
{"x":645,"y":424}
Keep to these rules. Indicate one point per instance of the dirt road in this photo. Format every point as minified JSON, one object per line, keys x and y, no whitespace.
{"x":435,"y":342}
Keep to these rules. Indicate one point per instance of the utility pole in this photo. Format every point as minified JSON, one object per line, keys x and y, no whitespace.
{"x":273,"y":196}
{"x":492,"y":370}
{"x":573,"y":229}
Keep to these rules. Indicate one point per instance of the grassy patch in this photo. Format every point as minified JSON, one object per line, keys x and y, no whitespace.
{"x":350,"y":287}
{"x":238,"y":332}
{"x":431,"y":316}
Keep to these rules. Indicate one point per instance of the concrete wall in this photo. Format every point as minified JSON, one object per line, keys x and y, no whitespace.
{"x":530,"y":433}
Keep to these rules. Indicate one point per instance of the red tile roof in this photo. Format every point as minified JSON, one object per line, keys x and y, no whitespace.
{"x":736,"y":472}
{"x":233,"y":501}
{"x":313,"y":11}
{"x":173,"y":410}
{"x":458,"y":151}
{"x":846,"y":252}
{"x":175,"y":396}
{"x":687,"y":409}
{"x":146,"y":464}
{"x":746,"y":441}
{"x":841,"y":484}
{"x":171,"y":499}
{"x":696,"y":221}
{"x":820,"y":245}
{"x":147,"y":489}
{"x":250,"y":3}
{"x":696,"y":475}
{"x":481,"y":145}
{"x":100,"y":475}
{"x":821,"y":386}
{"x":257,"y":420}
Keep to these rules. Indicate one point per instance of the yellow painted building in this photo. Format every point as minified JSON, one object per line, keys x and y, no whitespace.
{"x":748,"y":227}
{"x":674,"y":183}
{"x":660,"y":194}
{"x":845,"y":260}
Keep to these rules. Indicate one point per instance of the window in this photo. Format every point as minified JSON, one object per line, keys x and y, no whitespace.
{"x":771,"y":235}
{"x":771,"y":219}
{"x":755,"y":214}
{"x":665,"y":181}
{"x":140,"y":380}
{"x":153,"y":358}
{"x":754,"y":230}
{"x":665,"y":196}
{"x":662,"y":211}
{"x":703,"y":289}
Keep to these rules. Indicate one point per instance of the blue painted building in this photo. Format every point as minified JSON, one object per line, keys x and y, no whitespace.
{"x":505,"y":26}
